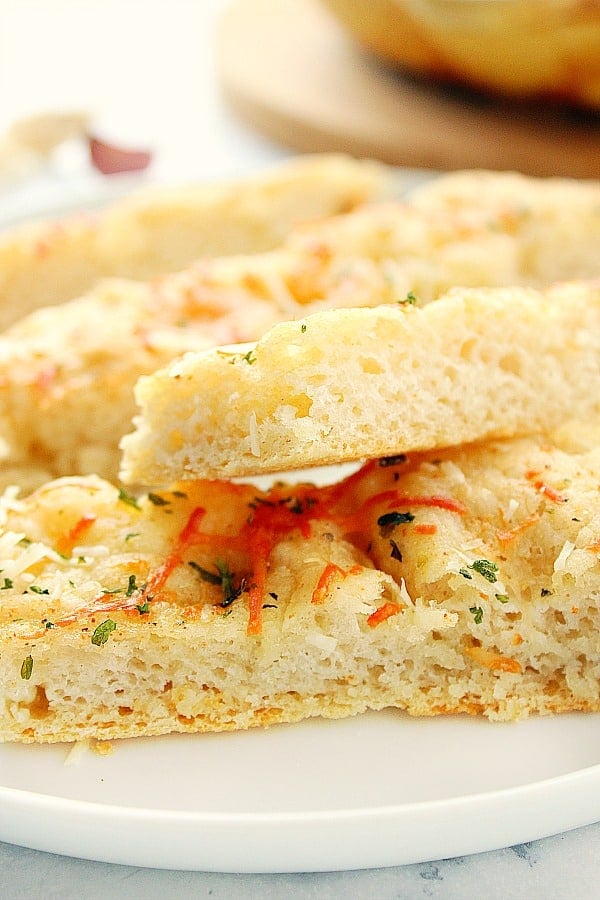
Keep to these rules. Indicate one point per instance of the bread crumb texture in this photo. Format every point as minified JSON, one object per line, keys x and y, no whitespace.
{"x":352,"y":383}
{"x":461,"y":581}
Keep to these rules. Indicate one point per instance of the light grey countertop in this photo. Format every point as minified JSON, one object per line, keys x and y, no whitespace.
{"x":176,"y":103}
{"x":556,"y":868}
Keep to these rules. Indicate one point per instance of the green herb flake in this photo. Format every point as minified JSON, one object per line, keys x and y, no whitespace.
{"x":486,"y":568}
{"x":477,"y":614}
{"x":249,"y":357}
{"x":410,"y":300}
{"x":157,"y":500}
{"x":129,"y":499}
{"x":502,"y":598}
{"x":27,"y":667}
{"x":8,"y":583}
{"x":303,"y":328}
{"x":295,"y":505}
{"x":465,"y":574}
{"x":103,"y":632}
{"x":36,"y":589}
{"x":205,"y":575}
{"x":223,"y":577}
{"x":131,"y":535}
{"x":143,"y":608}
{"x":230,"y":592}
{"x":131,"y":586}
{"x":391,"y":519}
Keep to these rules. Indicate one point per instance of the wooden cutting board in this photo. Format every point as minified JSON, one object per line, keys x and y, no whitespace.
{"x":287,"y":68}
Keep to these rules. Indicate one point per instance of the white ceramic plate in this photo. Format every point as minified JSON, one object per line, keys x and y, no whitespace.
{"x":378,"y":790}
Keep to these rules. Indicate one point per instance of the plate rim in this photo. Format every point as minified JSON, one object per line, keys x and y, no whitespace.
{"x":271,"y":842}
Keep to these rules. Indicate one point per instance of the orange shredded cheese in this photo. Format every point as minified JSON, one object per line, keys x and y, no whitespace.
{"x":260,"y":550}
{"x":544,"y":488}
{"x":490,"y":659}
{"x":506,"y":537}
{"x":329,"y":575}
{"x":425,"y":529}
{"x":67,"y":541}
{"x":397,"y":498}
{"x":390,"y":608}
{"x":45,"y":379}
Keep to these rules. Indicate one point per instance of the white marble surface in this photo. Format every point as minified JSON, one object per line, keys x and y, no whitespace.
{"x":145,"y":69}
{"x":565,"y":867}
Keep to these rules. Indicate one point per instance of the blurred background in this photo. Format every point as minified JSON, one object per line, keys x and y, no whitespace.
{"x":144,"y":73}
{"x":216,"y":88}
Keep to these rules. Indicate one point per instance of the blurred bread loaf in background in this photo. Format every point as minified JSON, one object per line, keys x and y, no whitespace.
{"x":546,"y":49}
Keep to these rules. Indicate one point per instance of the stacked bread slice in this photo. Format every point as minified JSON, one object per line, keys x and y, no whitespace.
{"x":68,"y":371}
{"x":164,"y":229}
{"x":456,"y":569}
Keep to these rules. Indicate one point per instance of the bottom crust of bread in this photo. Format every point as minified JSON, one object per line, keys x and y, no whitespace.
{"x":160,"y":690}
{"x":466,"y":581}
{"x":217,"y":713}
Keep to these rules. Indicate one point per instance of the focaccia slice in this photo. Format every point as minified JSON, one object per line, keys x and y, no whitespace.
{"x":511,"y":228}
{"x":350,"y":384}
{"x":462,"y":581}
{"x":164,"y":229}
{"x":67,"y":372}
{"x":59,"y":364}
